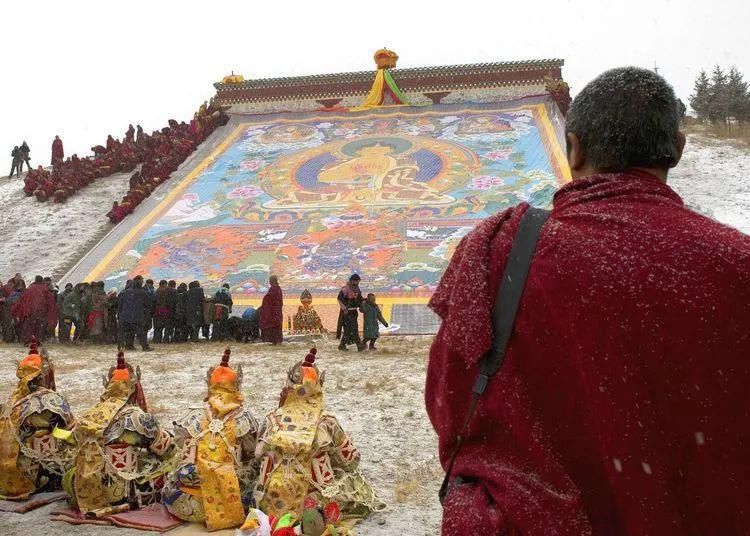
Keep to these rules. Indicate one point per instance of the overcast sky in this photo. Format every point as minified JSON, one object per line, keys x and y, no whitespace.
{"x":84,"y":69}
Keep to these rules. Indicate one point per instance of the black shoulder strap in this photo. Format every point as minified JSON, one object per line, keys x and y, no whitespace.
{"x":504,"y":311}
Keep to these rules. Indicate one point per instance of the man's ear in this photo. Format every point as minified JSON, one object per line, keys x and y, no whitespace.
{"x":681,"y":140}
{"x":576,"y":158}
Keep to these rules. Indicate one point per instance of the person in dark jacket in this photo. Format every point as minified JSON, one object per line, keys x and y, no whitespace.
{"x":25,"y":158}
{"x":60,"y":303}
{"x":133,"y":304}
{"x":250,"y":324}
{"x":372,"y":317}
{"x":149,"y":319}
{"x":165,"y":305}
{"x":112,"y":306}
{"x":180,"y":325}
{"x":194,"y":299}
{"x":70,"y":312}
{"x":222,"y":309}
{"x":17,"y":162}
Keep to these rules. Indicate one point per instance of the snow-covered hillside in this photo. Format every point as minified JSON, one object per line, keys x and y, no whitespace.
{"x":48,"y":238}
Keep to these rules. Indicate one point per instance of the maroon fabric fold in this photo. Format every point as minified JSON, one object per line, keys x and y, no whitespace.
{"x":272,"y":308}
{"x":621,"y":405}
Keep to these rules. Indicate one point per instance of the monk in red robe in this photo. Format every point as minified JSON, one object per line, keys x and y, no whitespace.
{"x":116,"y":213}
{"x":58,"y":154}
{"x":35,"y":311}
{"x":272,"y":313}
{"x":621,"y":405}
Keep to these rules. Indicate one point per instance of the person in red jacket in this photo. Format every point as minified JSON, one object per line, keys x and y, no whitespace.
{"x":35,"y":311}
{"x":621,"y":407}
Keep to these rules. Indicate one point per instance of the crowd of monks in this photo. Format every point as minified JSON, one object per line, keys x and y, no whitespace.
{"x":294,"y":472}
{"x":158,"y":154}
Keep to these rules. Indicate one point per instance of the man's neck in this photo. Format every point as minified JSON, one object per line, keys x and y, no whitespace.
{"x":659,"y":173}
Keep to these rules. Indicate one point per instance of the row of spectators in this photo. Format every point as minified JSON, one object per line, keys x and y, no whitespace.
{"x":160,"y":153}
{"x":86,"y":312}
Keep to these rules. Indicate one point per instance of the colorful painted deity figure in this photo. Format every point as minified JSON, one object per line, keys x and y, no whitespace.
{"x":214,"y":479}
{"x":34,"y":424}
{"x":307,"y":461}
{"x":307,"y":319}
{"x":122,"y":453}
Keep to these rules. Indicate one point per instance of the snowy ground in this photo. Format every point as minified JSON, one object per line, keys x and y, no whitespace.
{"x":377,"y":396}
{"x":48,"y":238}
{"x":713,"y":178}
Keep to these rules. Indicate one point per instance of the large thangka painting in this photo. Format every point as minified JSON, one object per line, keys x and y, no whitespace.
{"x":314,"y":199}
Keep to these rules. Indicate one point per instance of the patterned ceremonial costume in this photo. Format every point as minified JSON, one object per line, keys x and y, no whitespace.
{"x":306,"y":458}
{"x":215,"y":477}
{"x":307,"y":320}
{"x":33,"y":422}
{"x":121,"y":451}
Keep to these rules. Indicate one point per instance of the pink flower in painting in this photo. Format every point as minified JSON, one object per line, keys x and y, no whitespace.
{"x":190,"y":197}
{"x":499,"y":154}
{"x":251,"y":165}
{"x":244,"y":192}
{"x":485,"y":182}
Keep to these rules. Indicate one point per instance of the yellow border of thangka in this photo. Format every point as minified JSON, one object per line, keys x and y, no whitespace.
{"x":549,"y":139}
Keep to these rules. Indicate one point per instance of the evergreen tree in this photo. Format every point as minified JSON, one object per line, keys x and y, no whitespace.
{"x":699,"y":100}
{"x":718,"y":110}
{"x":738,"y":100}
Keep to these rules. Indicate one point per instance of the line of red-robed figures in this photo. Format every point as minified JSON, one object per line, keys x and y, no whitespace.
{"x":160,"y":153}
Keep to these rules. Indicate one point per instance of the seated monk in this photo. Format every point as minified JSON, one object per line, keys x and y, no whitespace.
{"x":40,"y":194}
{"x":121,"y":452}
{"x":34,"y":179}
{"x":127,"y":206}
{"x":135,"y":178}
{"x":62,"y":193}
{"x":115,"y":214}
{"x":30,"y":184}
{"x":306,"y":458}
{"x":98,"y":150}
{"x":214,"y":479}
{"x":49,"y":187}
{"x":307,"y":319}
{"x":33,"y":423}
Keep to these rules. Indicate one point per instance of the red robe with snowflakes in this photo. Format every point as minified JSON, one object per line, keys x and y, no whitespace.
{"x":622,"y":405}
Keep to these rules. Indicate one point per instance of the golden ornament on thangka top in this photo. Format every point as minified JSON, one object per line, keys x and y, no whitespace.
{"x":385,"y":59}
